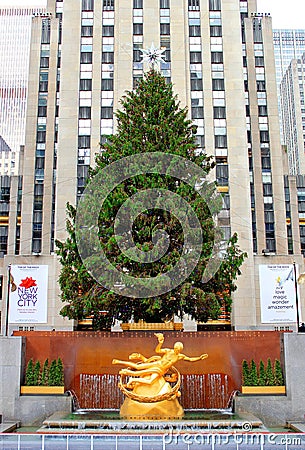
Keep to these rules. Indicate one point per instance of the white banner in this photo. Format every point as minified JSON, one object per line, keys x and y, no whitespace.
{"x":28,"y":294}
{"x":277,"y":293}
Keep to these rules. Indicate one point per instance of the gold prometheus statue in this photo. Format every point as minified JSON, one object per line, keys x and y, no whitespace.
{"x":152,"y":384}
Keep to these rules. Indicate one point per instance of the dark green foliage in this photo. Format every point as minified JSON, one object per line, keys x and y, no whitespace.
{"x":151,"y":120}
{"x":59,"y":373}
{"x":262,"y":374}
{"x":253,"y":374}
{"x":269,"y":374}
{"x":245,"y":373}
{"x":45,"y":373}
{"x":278,"y":373}
{"x":36,"y":373}
{"x":53,"y":373}
{"x":29,"y":374}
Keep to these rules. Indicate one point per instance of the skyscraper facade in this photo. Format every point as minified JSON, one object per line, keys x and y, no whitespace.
{"x":293,"y":114}
{"x":288,"y":45}
{"x":15,"y":35}
{"x":219,"y":57}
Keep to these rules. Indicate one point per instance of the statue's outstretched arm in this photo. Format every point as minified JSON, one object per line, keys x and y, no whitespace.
{"x":159,"y":348}
{"x":195,"y":358}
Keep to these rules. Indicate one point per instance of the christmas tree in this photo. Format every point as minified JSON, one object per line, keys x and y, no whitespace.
{"x":151,"y":123}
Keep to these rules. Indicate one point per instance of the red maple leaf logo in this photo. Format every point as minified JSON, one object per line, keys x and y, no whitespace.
{"x":28,"y":282}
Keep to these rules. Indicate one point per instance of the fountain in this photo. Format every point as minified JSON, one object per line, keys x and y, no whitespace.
{"x":152,"y":392}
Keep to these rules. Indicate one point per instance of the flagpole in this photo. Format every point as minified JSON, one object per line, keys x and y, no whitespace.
{"x":7,"y":298}
{"x":296,"y":295}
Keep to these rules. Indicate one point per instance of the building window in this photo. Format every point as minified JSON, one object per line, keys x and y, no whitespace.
{"x":216,"y":57}
{"x":84,"y":141}
{"x":216,"y":31}
{"x":194,"y":5}
{"x":261,"y":86}
{"x":138,"y":4}
{"x":45,"y":32}
{"x":259,"y":61}
{"x":137,"y":56}
{"x":107,"y":112}
{"x":196,"y":85}
{"x":86,"y":58}
{"x":87,"y":31}
{"x":221,"y":141}
{"x":264,"y":136}
{"x":164,"y":4}
{"x":218,"y":84}
{"x":41,"y":136}
{"x":195,"y":57}
{"x":164,"y":29}
{"x":107,"y":84}
{"x":138,"y":28}
{"x":262,"y":111}
{"x":108,"y":5}
{"x":197,"y":112}
{"x":87,"y":5}
{"x":85,"y":112}
{"x":108,"y":57}
{"x":219,"y":112}
{"x":108,"y":30}
{"x":215,"y":5}
{"x":44,"y":63}
{"x":194,"y":30}
{"x":42,"y":111}
{"x":257,"y":31}
{"x":85,"y":85}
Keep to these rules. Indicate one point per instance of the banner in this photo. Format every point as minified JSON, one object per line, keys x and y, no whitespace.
{"x":28,"y":293}
{"x":277,"y":293}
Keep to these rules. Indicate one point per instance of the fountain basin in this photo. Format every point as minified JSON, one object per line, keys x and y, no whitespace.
{"x":108,"y":421}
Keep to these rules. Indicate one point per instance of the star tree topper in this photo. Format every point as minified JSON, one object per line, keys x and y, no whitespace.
{"x":153,"y":55}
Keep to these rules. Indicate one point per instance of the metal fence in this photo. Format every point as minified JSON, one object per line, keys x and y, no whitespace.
{"x":170,"y":441}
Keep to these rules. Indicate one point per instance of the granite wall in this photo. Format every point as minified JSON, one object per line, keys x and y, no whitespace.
{"x":277,"y":410}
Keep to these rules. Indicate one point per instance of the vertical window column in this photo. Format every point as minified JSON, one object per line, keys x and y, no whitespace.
{"x":264,"y":135}
{"x":5,"y":192}
{"x":41,"y":137}
{"x":195,"y":48}
{"x":85,"y":95}
{"x":165,"y":38}
{"x":107,"y":71}
{"x":137,"y":71}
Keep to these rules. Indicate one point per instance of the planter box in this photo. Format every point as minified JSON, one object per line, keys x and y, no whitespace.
{"x":42,"y":390}
{"x":263,"y":390}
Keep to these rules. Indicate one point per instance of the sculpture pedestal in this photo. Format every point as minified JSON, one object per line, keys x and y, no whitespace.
{"x":160,"y":410}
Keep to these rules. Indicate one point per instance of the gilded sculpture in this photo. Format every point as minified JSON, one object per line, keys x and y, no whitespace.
{"x":151,"y":385}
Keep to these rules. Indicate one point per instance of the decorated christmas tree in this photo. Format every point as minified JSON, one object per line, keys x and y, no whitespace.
{"x":152,"y":129}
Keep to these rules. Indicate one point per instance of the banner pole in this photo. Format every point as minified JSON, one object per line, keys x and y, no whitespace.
{"x":296,"y":295}
{"x":7,"y":298}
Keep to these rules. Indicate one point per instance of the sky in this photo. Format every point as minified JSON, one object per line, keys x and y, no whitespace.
{"x":283,"y":16}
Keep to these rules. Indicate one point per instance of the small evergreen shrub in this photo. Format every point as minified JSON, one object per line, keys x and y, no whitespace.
{"x":267,"y":375}
{"x":52,"y":373}
{"x":48,"y":375}
{"x":45,"y":373}
{"x":29,"y":373}
{"x":253,"y":374}
{"x":278,"y":373}
{"x":36,"y":373}
{"x":262,"y":374}
{"x":245,"y":373}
